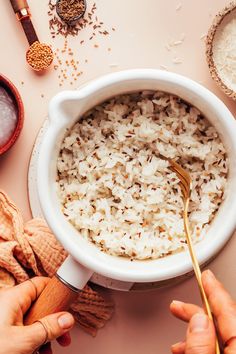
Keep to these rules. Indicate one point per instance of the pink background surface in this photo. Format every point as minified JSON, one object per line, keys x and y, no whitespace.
{"x":142,"y":323}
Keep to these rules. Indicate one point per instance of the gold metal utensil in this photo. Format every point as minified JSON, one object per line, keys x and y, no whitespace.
{"x":39,"y":55}
{"x":186,"y":188}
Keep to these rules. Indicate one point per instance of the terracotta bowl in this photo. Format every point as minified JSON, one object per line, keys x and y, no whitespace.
{"x":13,"y":92}
{"x":228,"y":10}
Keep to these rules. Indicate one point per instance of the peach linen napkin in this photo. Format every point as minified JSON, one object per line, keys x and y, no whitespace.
{"x":29,"y":249}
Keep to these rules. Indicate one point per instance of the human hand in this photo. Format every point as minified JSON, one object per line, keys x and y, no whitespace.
{"x":15,"y":338}
{"x":200,"y":337}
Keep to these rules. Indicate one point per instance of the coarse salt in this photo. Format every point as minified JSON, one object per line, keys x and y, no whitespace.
{"x":8,"y":116}
{"x":224,"y":53}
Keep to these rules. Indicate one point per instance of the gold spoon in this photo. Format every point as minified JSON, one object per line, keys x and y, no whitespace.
{"x":39,"y":55}
{"x":186,"y":188}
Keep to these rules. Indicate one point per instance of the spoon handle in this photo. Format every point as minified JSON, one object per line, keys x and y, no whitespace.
{"x":21,"y":9}
{"x":19,"y":5}
{"x":197,"y":269}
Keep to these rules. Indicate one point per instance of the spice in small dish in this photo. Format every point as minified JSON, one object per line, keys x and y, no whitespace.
{"x":8,"y":116}
{"x":70,"y":10}
{"x":39,"y":56}
{"x":221,"y":50}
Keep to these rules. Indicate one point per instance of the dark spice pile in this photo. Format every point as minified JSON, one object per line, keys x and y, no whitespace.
{"x":58,"y":27}
{"x":69,"y":10}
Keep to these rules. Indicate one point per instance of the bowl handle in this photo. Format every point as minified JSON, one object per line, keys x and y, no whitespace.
{"x":60,"y":108}
{"x":60,"y":292}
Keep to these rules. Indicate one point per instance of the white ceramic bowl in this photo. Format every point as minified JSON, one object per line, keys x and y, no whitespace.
{"x":64,"y":111}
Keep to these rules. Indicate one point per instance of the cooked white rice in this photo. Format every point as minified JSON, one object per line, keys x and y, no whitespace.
{"x":119,"y":195}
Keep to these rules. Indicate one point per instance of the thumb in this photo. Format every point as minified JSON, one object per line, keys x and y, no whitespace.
{"x":200,"y":336}
{"x":48,"y":328}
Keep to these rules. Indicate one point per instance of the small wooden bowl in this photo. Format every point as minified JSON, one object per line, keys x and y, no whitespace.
{"x":13,"y":92}
{"x":209,"y":48}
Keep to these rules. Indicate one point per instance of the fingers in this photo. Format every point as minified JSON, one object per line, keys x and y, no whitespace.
{"x":28,"y":291}
{"x":184,"y":311}
{"x":200,"y":336}
{"x":222,"y":305}
{"x":194,"y":344}
{"x":25,"y":293}
{"x":223,"y":308}
{"x":216,"y":292}
{"x":18,"y":299}
{"x":178,"y":348}
{"x":48,"y":328}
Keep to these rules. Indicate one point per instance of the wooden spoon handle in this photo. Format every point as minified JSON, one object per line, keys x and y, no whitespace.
{"x":18,"y":5}
{"x":55,"y":297}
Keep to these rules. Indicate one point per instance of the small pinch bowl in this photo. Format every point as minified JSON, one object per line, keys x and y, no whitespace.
{"x":14,"y":93}
{"x":75,"y":19}
{"x":219,"y":18}
{"x":64,"y":110}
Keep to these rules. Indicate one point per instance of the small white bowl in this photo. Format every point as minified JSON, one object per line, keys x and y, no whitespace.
{"x":64,"y":111}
